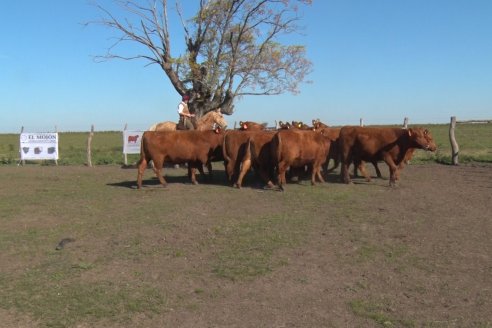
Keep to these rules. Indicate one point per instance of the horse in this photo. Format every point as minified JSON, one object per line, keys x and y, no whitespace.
{"x":206,"y":122}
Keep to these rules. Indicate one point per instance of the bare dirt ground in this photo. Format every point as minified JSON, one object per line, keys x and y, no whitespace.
{"x":418,"y":255}
{"x":435,"y":272}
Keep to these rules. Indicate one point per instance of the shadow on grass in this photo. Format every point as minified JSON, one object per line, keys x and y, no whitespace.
{"x":178,"y":176}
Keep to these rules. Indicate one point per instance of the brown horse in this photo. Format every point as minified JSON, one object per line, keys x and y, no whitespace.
{"x":206,"y":122}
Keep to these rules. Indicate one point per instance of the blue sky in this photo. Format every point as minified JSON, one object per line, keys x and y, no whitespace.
{"x":380,"y":60}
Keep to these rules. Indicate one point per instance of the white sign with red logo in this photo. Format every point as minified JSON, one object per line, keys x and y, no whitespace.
{"x":131,"y":141}
{"x":39,"y":146}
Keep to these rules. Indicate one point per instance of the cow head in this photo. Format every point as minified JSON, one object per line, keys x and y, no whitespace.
{"x":317,"y":124}
{"x":284,"y":126}
{"x":422,"y":138}
{"x":300,"y":125}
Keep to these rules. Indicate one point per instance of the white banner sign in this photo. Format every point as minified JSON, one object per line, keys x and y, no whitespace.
{"x":39,"y":146}
{"x":131,"y":141}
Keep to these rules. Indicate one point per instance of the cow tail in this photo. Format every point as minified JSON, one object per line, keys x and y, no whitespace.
{"x":279,"y":143}
{"x":142,"y":150}
{"x":224,"y":149}
{"x":275,"y":149}
{"x":250,"y":150}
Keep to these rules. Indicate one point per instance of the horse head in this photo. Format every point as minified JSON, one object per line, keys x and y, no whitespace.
{"x":214,"y":117}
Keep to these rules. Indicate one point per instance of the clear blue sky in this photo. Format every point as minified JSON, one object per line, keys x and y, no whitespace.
{"x":379,"y":60}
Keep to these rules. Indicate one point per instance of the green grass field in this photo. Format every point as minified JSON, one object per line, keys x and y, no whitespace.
{"x":475,"y":142}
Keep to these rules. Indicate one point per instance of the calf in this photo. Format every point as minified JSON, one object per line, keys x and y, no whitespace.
{"x":297,"y":148}
{"x":359,"y":144}
{"x":177,"y":147}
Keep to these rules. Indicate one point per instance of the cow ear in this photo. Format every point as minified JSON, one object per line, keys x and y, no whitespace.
{"x":426,"y":132}
{"x":217,"y":130}
{"x":410,"y":132}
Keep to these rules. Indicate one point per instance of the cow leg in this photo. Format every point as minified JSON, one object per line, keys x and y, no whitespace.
{"x":376,"y":167}
{"x":345,"y":173}
{"x":199,"y":166}
{"x":347,"y":158}
{"x":281,"y":175}
{"x":192,"y":174}
{"x":158,"y":165}
{"x":209,"y":169}
{"x":142,"y":165}
{"x":246,"y":165}
{"x":265,"y":176}
{"x":318,"y":173}
{"x":336,"y":163}
{"x":229,"y":168}
{"x":362,"y":168}
{"x":393,"y":168}
{"x":192,"y":171}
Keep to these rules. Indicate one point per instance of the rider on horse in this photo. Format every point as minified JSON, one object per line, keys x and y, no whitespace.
{"x":185,"y":117}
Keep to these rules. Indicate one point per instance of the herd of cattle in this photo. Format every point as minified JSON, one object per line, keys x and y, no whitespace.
{"x":293,"y":147}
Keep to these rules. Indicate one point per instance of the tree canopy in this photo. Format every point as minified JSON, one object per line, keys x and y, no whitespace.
{"x":232,"y":47}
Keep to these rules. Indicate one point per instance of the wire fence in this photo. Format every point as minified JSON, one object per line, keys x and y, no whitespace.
{"x":93,"y":147}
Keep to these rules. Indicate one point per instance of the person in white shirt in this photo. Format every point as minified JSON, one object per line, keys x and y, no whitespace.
{"x":185,"y":115}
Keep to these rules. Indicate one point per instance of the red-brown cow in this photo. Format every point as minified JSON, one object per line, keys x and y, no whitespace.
{"x":177,"y":147}
{"x":374,"y":144}
{"x":251,"y":126}
{"x":258,"y":155}
{"x":297,"y":148}
{"x":335,"y":153}
{"x":238,"y":157}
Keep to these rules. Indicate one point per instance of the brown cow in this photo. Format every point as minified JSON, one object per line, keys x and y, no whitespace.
{"x":177,"y":147}
{"x":258,"y":155}
{"x":335,"y":153}
{"x":297,"y":148}
{"x":238,"y":157}
{"x":251,"y":126}
{"x":373,"y":144}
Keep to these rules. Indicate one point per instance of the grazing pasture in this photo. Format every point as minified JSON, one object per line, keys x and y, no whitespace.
{"x":332,"y":255}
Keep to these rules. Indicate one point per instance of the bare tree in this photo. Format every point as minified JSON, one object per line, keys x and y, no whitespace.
{"x":232,"y":47}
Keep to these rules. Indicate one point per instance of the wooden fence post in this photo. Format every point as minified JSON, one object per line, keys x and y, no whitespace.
{"x":405,"y":122}
{"x":454,"y":145}
{"x":125,"y":156}
{"x":89,"y":144}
